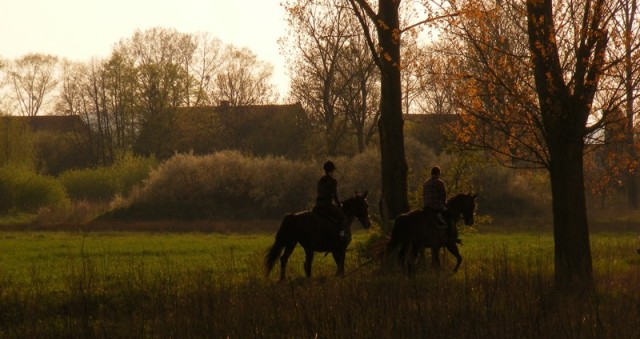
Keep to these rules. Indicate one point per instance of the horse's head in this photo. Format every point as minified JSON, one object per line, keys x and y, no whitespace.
{"x":464,"y":204}
{"x":358,"y":207}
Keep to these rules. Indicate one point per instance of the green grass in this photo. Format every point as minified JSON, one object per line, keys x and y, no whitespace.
{"x":159,"y":285}
{"x":53,"y":254}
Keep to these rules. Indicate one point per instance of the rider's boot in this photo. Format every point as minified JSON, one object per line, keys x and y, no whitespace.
{"x":453,"y":233}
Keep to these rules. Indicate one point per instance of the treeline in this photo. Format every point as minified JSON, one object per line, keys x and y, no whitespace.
{"x":128,"y":100}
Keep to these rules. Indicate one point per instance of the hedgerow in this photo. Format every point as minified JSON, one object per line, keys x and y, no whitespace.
{"x":23,"y":190}
{"x":230,"y":184}
{"x":102,"y":184}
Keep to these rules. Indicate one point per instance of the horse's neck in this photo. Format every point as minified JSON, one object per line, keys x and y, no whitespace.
{"x":454,"y":212}
{"x":347,"y":209}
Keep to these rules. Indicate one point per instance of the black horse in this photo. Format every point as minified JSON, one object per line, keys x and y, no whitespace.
{"x":316,"y":234}
{"x":417,"y":230}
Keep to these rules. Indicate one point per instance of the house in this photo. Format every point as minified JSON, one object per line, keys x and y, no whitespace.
{"x":50,"y":123}
{"x":59,"y":142}
{"x":280,"y":130}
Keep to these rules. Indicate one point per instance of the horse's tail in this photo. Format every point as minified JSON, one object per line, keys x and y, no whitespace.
{"x":276,"y":249}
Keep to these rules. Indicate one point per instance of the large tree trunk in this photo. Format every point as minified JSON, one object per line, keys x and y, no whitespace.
{"x":564,"y":111}
{"x":393,"y":161}
{"x":573,"y":266}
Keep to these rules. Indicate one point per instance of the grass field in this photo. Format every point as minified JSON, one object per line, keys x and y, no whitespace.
{"x":196,"y":285}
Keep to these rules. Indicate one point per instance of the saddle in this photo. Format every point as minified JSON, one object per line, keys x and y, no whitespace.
{"x":327,"y":219}
{"x":437,"y":217}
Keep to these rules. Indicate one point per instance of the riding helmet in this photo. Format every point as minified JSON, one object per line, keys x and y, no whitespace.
{"x":329,"y":166}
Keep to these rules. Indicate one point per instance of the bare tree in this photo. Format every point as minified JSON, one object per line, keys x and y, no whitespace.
{"x":360,"y":96}
{"x":243,"y":79}
{"x":332,"y":74}
{"x":626,"y":39}
{"x":207,"y":61}
{"x":4,"y":79}
{"x":33,"y":78}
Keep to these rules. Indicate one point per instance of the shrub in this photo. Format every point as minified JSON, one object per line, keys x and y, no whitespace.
{"x":102,"y":184}
{"x":506,"y":192}
{"x":93,"y":184}
{"x":230,"y":184}
{"x":130,"y":170}
{"x":23,"y":190}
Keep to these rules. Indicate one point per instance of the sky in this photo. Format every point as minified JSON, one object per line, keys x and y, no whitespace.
{"x":83,"y":29}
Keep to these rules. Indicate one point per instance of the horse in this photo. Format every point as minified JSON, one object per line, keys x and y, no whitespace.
{"x":416,"y":230}
{"x":315,"y":233}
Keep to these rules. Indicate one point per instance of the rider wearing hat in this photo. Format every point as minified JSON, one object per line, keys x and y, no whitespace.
{"x":327,"y":196}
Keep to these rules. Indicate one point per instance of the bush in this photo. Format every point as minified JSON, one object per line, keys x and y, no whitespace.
{"x":230,"y":184}
{"x":95,"y":184}
{"x":102,"y":184}
{"x":130,"y":170}
{"x":505,"y":192}
{"x":23,"y":190}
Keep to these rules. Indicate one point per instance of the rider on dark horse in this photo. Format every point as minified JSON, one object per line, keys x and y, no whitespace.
{"x":327,"y":196}
{"x":434,"y":194}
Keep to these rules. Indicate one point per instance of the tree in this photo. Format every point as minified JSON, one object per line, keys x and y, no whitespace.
{"x":243,"y":80}
{"x":625,"y":37}
{"x":532,"y":103}
{"x":386,"y":55}
{"x":158,"y":57}
{"x":3,"y":82}
{"x":318,"y":34}
{"x":332,"y":74}
{"x":75,"y":98}
{"x":120,"y":95}
{"x":32,"y":78}
{"x":102,"y":93}
{"x":360,"y":96}
{"x":564,"y":109}
{"x":207,"y":60}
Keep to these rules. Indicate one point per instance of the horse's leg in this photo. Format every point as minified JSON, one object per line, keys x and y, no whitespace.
{"x":284,"y":258}
{"x":308,"y":259}
{"x":338,"y":257}
{"x":453,"y":249}
{"x":402,"y":258}
{"x":435,"y":258}
{"x":413,"y":260}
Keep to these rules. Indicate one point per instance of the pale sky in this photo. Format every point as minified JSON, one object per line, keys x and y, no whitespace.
{"x":82,"y":29}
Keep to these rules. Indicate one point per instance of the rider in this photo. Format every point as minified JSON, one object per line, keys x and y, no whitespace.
{"x":434,"y":194}
{"x":327,"y":195}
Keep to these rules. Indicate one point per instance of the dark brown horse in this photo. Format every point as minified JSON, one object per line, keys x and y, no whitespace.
{"x":315,"y":234}
{"x":416,"y":230}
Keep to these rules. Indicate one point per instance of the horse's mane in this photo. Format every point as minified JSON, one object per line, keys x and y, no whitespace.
{"x":353,"y":198}
{"x":457,"y":198}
